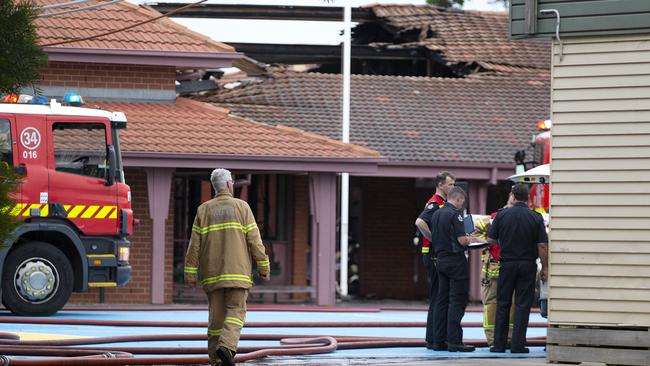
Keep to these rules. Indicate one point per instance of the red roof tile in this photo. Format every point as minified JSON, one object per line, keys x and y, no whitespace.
{"x":191,"y":127}
{"x":159,"y":35}
{"x":461,"y":36}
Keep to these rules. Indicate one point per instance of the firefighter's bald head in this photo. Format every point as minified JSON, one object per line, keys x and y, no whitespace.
{"x":220,"y":178}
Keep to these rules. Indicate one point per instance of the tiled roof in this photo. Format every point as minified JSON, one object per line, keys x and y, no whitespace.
{"x":481,"y":119}
{"x":463,"y":36}
{"x":159,"y":35}
{"x":191,"y":127}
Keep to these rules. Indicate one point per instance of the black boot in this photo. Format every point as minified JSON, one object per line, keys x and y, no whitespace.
{"x":460,"y":348}
{"x":439,"y":346}
{"x":226,"y":356}
{"x":520,"y":350}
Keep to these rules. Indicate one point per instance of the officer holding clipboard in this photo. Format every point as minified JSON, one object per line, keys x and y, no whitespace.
{"x":450,"y":240}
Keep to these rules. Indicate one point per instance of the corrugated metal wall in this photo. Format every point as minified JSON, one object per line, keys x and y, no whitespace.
{"x":600,"y":191}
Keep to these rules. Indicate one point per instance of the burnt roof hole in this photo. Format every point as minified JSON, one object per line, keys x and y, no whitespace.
{"x":430,"y":33}
{"x":409,"y":35}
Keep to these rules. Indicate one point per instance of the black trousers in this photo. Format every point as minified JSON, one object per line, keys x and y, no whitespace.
{"x":432,"y":278}
{"x":453,"y":294}
{"x":516,"y":277}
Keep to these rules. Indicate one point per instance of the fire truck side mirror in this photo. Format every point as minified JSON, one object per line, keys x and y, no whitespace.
{"x":112,"y":162}
{"x":21,"y":170}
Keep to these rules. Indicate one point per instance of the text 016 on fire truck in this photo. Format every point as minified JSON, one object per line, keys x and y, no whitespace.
{"x":72,"y":203}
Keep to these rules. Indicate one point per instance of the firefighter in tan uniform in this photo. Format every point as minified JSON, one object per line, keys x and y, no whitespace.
{"x":225,"y":240}
{"x":490,"y":276}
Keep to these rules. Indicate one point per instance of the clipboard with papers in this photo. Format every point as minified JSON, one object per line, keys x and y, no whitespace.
{"x":468,"y":222}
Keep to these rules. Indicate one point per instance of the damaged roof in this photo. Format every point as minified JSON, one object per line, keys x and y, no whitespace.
{"x":478,"y":119}
{"x":457,"y":36}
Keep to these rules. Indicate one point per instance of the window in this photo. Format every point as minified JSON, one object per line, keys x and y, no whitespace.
{"x":80,"y":149}
{"x":5,"y":142}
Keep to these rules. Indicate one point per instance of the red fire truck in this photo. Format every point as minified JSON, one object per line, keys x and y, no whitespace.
{"x":73,"y":205}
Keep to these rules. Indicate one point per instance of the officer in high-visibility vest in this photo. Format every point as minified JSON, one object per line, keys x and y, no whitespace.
{"x":444,"y":181}
{"x":225,"y":239}
{"x":491,"y":257}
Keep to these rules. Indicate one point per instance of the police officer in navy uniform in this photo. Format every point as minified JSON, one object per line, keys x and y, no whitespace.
{"x":444,"y":181}
{"x":449,"y":243}
{"x":521,"y":234}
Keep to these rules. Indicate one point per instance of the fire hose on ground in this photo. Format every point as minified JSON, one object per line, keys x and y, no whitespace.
{"x":70,"y":352}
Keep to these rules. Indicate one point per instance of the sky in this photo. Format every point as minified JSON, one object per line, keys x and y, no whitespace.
{"x":289,"y":32}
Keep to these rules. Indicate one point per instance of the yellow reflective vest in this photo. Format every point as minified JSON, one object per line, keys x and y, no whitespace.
{"x":224,"y":242}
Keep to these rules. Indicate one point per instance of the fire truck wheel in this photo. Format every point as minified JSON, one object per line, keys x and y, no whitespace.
{"x":37,"y":279}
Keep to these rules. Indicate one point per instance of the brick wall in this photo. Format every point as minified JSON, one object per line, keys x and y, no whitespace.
{"x":388,"y":259}
{"x":75,"y":75}
{"x":300,"y":245}
{"x":138,"y":290}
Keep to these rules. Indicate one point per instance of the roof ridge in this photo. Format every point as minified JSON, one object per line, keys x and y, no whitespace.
{"x":126,"y":14}
{"x":191,"y":33}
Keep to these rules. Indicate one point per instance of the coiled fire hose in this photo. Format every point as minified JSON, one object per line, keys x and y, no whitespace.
{"x":70,"y":351}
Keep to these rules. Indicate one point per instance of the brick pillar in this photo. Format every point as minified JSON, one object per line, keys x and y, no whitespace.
{"x":159,"y":182}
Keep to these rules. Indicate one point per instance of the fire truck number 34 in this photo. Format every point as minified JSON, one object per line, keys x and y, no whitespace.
{"x":30,"y":138}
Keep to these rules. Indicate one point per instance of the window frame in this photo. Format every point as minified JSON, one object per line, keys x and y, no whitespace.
{"x":79,"y":125}
{"x":11,"y":140}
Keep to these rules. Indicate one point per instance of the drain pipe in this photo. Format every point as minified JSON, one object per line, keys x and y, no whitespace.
{"x":345,"y":137}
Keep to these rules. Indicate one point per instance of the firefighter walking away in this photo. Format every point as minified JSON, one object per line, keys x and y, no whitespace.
{"x":225,"y":240}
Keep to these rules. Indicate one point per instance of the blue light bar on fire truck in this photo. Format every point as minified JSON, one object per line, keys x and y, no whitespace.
{"x":71,"y":99}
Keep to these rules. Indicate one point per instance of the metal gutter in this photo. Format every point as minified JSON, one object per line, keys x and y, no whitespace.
{"x":357,"y":166}
{"x":365,"y":165}
{"x":491,"y":172}
{"x":143,"y":57}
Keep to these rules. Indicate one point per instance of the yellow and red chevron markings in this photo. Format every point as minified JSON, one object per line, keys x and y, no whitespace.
{"x":74,"y":211}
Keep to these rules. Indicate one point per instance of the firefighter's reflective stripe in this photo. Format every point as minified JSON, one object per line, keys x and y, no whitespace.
{"x":249,"y":228}
{"x":486,"y":317}
{"x":491,"y":271}
{"x":263,"y":264}
{"x":224,"y":226}
{"x":425,"y":250}
{"x":73,"y":211}
{"x":215,"y":332}
{"x":226,"y":277}
{"x":191,"y":270}
{"x":235,"y":321}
